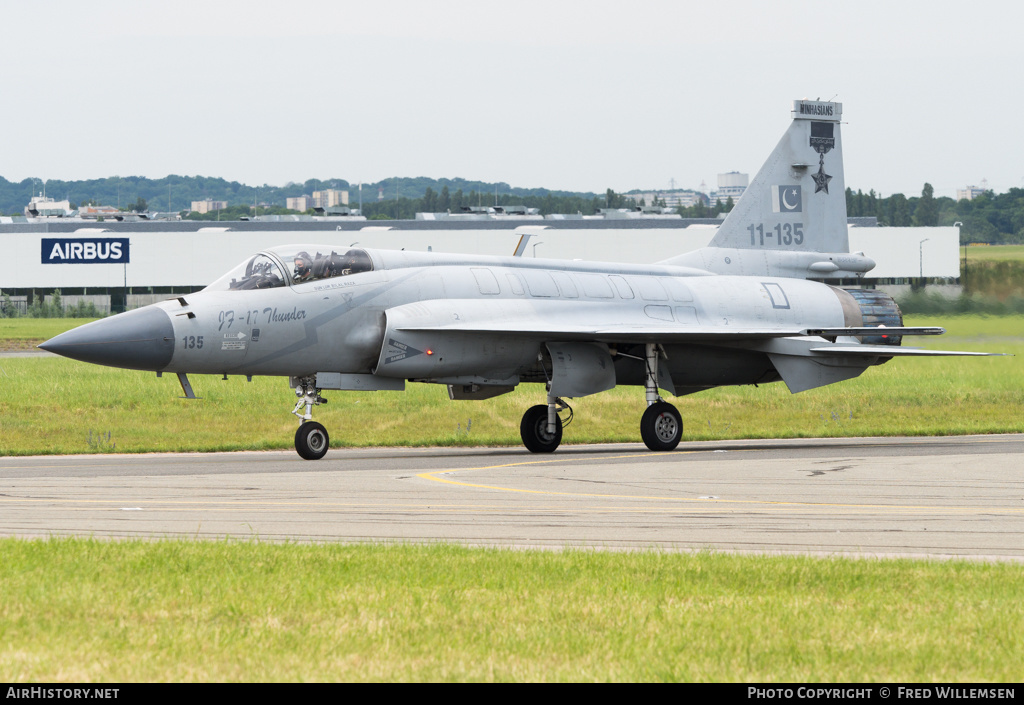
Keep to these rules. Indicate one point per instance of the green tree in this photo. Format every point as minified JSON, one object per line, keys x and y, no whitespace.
{"x":617,"y":200}
{"x":977,"y":229}
{"x":7,"y":307}
{"x":429,"y":201}
{"x":927,"y":211}
{"x":852,"y":206}
{"x":898,"y":211}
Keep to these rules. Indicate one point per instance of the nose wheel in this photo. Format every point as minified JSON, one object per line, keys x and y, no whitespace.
{"x":538,"y":436}
{"x":311,"y":440}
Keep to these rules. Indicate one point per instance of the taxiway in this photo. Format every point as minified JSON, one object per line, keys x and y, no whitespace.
{"x":939,"y":497}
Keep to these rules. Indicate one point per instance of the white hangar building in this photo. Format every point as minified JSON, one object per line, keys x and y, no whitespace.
{"x":119,"y":265}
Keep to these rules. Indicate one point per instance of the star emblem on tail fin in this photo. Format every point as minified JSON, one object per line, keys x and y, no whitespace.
{"x":821,"y":179}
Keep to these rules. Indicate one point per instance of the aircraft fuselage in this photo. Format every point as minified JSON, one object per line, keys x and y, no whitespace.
{"x":413,"y":317}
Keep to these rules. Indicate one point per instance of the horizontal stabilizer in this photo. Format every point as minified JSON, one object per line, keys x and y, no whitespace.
{"x":875,"y":331}
{"x":891,"y":351}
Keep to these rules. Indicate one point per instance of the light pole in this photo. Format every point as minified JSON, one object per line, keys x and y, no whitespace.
{"x":963,"y":277}
{"x":535,"y":248}
{"x":920,"y":247}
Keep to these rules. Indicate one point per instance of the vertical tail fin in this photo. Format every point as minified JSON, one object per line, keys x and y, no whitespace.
{"x":797,"y":201}
{"x":791,"y":220}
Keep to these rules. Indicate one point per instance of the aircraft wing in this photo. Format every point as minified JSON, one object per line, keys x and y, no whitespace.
{"x":608,"y":333}
{"x":569,"y":320}
{"x":594,"y":321}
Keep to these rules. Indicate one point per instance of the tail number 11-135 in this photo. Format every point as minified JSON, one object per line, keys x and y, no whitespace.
{"x":784,"y":234}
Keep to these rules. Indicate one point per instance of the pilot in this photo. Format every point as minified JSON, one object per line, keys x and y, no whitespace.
{"x":356,"y":261}
{"x":302,"y":270}
{"x":321,"y":266}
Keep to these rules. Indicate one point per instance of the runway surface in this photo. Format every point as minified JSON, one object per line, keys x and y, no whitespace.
{"x":940,"y":497}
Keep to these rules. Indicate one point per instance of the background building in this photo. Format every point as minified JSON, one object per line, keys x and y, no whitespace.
{"x":330,"y":197}
{"x":43,"y":207}
{"x":971,"y":192}
{"x":167,"y":258}
{"x":98,"y":212}
{"x":730,"y":185}
{"x":299,"y":203}
{"x":208,"y":206}
{"x":673,"y":198}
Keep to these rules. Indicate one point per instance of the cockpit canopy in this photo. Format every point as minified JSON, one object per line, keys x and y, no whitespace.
{"x":292,"y":264}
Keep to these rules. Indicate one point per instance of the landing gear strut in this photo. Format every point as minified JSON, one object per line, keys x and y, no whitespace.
{"x":661,"y":426}
{"x":311,"y":439}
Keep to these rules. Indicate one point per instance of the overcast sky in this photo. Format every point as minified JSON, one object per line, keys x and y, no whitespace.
{"x":579,"y":96}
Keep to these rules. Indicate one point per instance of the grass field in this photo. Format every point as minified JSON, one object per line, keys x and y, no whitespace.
{"x":27,"y":333}
{"x":83,"y":610}
{"x":993,"y":253}
{"x":53,"y":405}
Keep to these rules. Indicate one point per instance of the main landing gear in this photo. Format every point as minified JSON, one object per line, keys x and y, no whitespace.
{"x":661,"y":426}
{"x":311,"y":439}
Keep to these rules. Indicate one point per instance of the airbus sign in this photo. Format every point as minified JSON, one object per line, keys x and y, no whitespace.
{"x":93,"y":250}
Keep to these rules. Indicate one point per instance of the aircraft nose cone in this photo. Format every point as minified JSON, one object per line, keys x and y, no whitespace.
{"x":142,"y":339}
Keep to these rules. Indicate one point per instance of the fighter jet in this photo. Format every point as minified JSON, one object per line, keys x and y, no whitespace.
{"x":744,"y":310}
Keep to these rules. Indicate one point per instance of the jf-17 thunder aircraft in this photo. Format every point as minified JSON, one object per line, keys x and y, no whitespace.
{"x":744,"y":310}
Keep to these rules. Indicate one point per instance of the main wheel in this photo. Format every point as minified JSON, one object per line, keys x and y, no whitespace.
{"x":661,"y":426}
{"x":534,"y":430}
{"x":312,"y":441}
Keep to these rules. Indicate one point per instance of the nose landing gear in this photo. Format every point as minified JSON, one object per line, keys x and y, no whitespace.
{"x":311,"y":438}
{"x":661,"y":426}
{"x":541,"y":427}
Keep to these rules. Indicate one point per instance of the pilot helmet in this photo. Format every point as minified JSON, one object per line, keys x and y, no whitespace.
{"x":302,"y":262}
